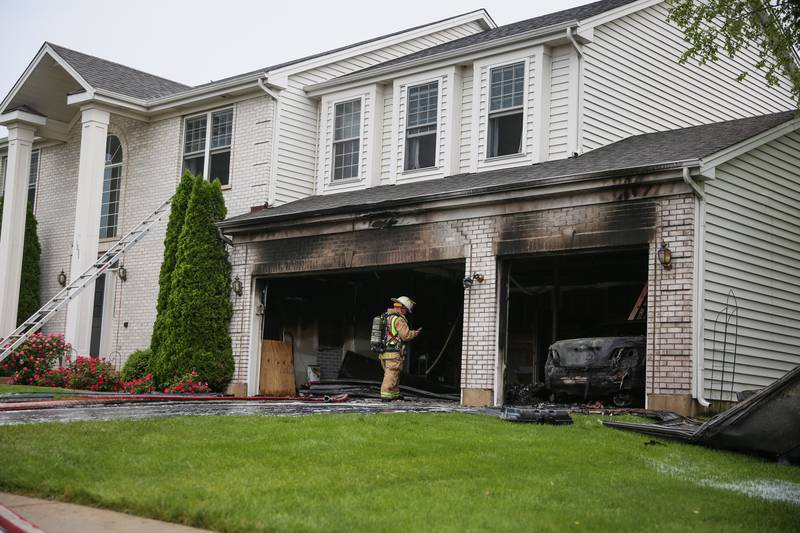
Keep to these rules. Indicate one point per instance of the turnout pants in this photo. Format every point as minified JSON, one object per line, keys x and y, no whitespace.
{"x":390,"y":388}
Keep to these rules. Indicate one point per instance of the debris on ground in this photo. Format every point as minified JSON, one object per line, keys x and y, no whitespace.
{"x":554,"y":417}
{"x":767,"y":423}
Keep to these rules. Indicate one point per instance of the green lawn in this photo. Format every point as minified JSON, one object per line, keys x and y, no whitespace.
{"x":395,"y":472}
{"x":28,"y":388}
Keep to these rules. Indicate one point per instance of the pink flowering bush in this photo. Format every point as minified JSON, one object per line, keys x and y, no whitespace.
{"x":141,"y":385}
{"x":92,"y":373}
{"x":34,"y":358}
{"x":187,"y":384}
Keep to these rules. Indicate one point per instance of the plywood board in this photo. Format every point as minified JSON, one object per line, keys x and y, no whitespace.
{"x":277,"y":369}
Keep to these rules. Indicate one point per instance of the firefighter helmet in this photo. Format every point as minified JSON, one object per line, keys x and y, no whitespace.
{"x":406,"y":302}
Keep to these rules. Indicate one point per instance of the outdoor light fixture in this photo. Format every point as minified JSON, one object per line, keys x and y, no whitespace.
{"x":237,"y":286}
{"x":665,"y":256}
{"x":470,"y":281}
{"x":62,"y":278}
{"x":122,"y":273}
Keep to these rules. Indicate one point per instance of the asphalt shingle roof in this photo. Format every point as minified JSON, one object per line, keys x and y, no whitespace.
{"x":577,"y":13}
{"x":104,"y":74}
{"x":637,"y":152}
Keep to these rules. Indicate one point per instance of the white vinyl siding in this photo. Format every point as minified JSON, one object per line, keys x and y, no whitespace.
{"x":297,"y":151}
{"x":633,"y":83}
{"x":559,"y":102}
{"x":386,"y":139}
{"x":465,"y":143}
{"x":752,"y":247}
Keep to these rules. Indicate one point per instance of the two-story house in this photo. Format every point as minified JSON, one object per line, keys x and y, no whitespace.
{"x":554,"y":178}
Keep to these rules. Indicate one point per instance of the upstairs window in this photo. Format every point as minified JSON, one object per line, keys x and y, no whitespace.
{"x":421,"y":124}
{"x":112,"y":187}
{"x":33,"y":177}
{"x":207,"y":145}
{"x":346,"y":139}
{"x":506,"y":113}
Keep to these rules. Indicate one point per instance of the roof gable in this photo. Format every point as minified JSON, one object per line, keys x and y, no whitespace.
{"x":113,"y":77}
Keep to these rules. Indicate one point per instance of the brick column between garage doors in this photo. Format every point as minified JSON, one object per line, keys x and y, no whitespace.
{"x":479,"y":345}
{"x":669,"y":314}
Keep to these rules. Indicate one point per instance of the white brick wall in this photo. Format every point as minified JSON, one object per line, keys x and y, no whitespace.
{"x":152,"y":167}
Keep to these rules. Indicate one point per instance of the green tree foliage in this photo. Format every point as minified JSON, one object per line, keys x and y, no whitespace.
{"x":137,"y":365}
{"x":198,"y":313}
{"x":771,"y":28}
{"x":32,"y":251}
{"x":177,"y":217}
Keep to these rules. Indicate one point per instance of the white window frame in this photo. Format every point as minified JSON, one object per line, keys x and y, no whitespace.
{"x":371,"y":126}
{"x":480,"y":109}
{"x":121,"y":167}
{"x":359,"y":138}
{"x":447,"y":132}
{"x":207,"y":150}
{"x":35,"y":183}
{"x":3,"y":172}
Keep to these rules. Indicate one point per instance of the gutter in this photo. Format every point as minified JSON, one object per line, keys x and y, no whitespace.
{"x":477,"y":47}
{"x":243,"y":225}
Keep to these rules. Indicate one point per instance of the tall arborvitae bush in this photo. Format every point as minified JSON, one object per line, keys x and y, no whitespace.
{"x":177,"y":216}
{"x":31,"y":253}
{"x":198,"y":313}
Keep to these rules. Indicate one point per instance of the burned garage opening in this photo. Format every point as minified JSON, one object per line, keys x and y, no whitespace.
{"x":317,"y":327}
{"x":576,"y":327}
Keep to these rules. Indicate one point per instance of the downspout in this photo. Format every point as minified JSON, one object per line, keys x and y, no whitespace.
{"x":698,"y":288}
{"x":577,"y":147}
{"x":263,"y":83}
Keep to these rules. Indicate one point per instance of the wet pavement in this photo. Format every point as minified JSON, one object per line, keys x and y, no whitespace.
{"x":138,"y":411}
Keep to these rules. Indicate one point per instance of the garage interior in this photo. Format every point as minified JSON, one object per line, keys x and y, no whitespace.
{"x":567,"y":296}
{"x":322,"y":317}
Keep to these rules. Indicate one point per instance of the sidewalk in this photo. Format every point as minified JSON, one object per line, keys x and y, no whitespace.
{"x":57,"y":517}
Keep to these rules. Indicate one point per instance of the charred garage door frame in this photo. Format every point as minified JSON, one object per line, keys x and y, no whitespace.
{"x":593,"y":228}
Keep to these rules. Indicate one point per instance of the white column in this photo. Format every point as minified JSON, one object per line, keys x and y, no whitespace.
{"x":94,"y":130}
{"x":12,"y":239}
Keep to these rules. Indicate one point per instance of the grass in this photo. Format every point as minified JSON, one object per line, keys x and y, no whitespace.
{"x":396,"y":472}
{"x":4,"y":388}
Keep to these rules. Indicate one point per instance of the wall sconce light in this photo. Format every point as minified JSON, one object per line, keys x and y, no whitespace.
{"x":62,"y":278}
{"x":470,"y":281}
{"x":665,"y":256}
{"x":122,"y":273}
{"x":237,"y":286}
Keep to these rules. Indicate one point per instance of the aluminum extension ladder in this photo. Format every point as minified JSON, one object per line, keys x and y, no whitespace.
{"x":71,"y":290}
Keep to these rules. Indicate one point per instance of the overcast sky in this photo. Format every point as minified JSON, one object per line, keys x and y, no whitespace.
{"x":195,"y":41}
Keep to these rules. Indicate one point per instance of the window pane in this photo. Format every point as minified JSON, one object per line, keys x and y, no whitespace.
{"x":347,"y":120}
{"x":194,"y":164}
{"x":112,"y":181}
{"x":221,"y":128}
{"x":33,"y":177}
{"x":219,"y":167}
{"x":3,"y":163}
{"x":346,"y":157}
{"x":113,"y":151}
{"x":505,"y":135}
{"x":507,"y":86}
{"x":195,"y":136}
{"x":420,"y":152}
{"x":422,"y":104}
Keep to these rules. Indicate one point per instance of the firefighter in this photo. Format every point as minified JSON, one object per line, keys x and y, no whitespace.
{"x":396,"y":336}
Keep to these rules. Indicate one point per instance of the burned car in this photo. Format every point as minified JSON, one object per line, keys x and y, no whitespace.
{"x":598,"y":368}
